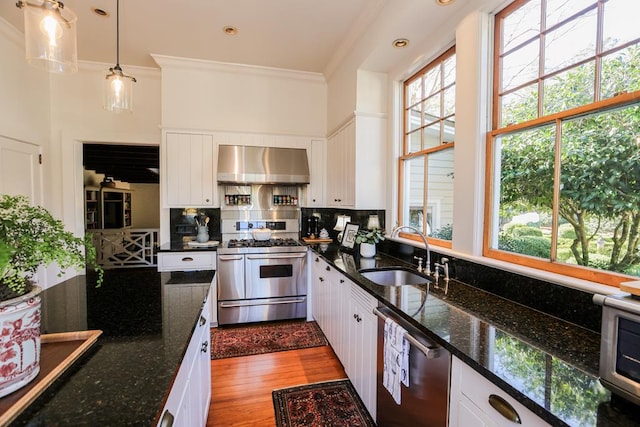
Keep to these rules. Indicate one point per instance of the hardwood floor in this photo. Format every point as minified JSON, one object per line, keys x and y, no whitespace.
{"x":242,"y":386}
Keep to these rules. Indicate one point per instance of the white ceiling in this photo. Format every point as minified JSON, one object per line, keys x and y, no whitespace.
{"x":305,"y":35}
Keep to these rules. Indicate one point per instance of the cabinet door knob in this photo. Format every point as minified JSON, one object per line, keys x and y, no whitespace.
{"x":317,"y":259}
{"x":321,"y":279}
{"x":314,"y":200}
{"x":341,"y":280}
{"x":504,"y":408}
{"x":328,"y":268}
{"x":206,"y":200}
{"x":205,"y":346}
{"x":202,"y":320}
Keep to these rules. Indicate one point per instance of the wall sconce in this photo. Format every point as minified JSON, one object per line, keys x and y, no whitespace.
{"x":50,"y":36}
{"x":373,"y":223}
{"x":341,"y":223}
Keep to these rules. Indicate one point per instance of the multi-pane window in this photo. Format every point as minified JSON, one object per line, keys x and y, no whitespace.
{"x":426,"y":164}
{"x":564,"y":168}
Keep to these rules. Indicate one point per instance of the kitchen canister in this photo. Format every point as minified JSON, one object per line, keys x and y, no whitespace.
{"x":203,"y":234}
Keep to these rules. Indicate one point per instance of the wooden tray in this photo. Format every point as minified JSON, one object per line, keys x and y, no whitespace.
{"x":318,"y":240}
{"x":57,"y":353}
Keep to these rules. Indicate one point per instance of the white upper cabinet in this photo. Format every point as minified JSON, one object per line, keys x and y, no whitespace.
{"x":188,"y":176}
{"x":356,"y":170}
{"x":315,"y":189}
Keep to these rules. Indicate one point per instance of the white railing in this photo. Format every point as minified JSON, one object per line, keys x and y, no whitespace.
{"x":125,"y":247}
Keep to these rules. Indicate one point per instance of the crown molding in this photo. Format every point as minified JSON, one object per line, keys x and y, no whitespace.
{"x":11,"y":33}
{"x":200,"y":64}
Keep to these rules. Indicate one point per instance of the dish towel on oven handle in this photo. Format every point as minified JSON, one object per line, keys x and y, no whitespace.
{"x":396,"y":359}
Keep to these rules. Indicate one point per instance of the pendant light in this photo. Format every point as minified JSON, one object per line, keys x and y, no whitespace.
{"x":118,"y":87}
{"x":50,"y":35}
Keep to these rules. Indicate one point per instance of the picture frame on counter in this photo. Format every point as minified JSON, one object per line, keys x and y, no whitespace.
{"x":349,"y":236}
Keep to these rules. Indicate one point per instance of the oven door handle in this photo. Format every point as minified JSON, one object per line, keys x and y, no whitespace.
{"x":267,"y":256}
{"x":250,"y":303}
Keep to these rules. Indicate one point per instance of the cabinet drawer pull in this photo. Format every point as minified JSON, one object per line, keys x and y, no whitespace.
{"x":205,"y":346}
{"x":202,"y":320}
{"x":187,"y":259}
{"x":504,"y":408}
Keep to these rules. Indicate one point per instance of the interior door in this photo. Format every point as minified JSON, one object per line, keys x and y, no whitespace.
{"x":20,"y":169}
{"x":21,"y":174}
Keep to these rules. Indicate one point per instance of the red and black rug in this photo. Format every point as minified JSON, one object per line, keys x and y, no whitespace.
{"x":333,"y":403}
{"x":261,"y":338}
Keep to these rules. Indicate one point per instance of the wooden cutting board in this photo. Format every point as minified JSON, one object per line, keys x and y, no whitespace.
{"x":317,"y":240}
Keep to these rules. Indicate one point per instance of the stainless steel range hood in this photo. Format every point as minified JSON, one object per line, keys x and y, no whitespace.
{"x":240,"y":164}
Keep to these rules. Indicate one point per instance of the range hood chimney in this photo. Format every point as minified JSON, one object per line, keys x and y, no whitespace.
{"x":240,"y":164}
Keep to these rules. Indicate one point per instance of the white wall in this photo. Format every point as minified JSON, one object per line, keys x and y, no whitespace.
{"x":24,"y":104}
{"x":145,"y":205}
{"x":205,"y":95}
{"x":24,"y":99}
{"x":77,"y":116}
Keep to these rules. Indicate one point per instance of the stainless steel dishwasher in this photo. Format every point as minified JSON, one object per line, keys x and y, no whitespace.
{"x":425,"y":401}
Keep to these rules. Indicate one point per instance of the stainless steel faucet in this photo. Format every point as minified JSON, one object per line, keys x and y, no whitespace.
{"x":394,"y":233}
{"x":445,"y":269}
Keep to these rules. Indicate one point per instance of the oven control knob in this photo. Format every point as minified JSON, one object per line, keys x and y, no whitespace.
{"x":250,"y":225}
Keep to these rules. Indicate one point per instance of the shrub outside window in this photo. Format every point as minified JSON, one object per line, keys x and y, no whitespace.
{"x":426,"y":164}
{"x":564,"y":154}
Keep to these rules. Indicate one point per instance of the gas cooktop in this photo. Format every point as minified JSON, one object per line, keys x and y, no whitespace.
{"x":261,"y":246}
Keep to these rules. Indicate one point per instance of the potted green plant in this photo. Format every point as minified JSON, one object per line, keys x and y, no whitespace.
{"x":30,"y":238}
{"x":367,"y":239}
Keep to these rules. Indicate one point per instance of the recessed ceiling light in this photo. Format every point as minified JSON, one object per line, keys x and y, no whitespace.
{"x":99,"y":12}
{"x":229,"y":30}
{"x":444,"y":2}
{"x":400,"y":43}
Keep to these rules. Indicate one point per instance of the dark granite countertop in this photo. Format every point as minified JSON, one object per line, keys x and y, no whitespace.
{"x":184,"y":247}
{"x":547,"y":364}
{"x":124,"y":379}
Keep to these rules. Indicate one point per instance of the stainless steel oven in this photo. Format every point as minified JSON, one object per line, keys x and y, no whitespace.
{"x":620,"y":345}
{"x":261,"y":280}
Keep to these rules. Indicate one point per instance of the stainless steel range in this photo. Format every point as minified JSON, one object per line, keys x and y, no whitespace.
{"x":261,"y":280}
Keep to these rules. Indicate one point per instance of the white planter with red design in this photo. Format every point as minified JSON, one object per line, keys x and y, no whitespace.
{"x":19,"y":341}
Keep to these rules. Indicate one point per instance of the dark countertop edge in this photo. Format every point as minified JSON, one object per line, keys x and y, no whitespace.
{"x":469,"y":360}
{"x":185,"y":248}
{"x":182,"y":354}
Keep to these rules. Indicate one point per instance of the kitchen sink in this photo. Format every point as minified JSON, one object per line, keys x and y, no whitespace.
{"x":394,"y":276}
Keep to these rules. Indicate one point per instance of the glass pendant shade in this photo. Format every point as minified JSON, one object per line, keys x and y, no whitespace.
{"x":118,"y":87}
{"x":118,"y":91}
{"x":50,"y":36}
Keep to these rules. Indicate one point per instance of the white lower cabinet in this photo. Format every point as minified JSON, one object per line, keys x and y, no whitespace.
{"x":477,"y":402}
{"x":190,"y":395}
{"x":187,"y":261}
{"x":329,"y":300}
{"x":344,"y":312}
{"x":362,"y":346}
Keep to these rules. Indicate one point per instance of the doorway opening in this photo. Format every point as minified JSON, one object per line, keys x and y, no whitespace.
{"x":122,"y":202}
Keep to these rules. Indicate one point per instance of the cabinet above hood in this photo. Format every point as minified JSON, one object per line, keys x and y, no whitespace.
{"x":241,"y":164}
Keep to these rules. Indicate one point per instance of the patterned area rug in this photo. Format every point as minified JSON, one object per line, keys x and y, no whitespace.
{"x":333,"y":403}
{"x":261,"y":338}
